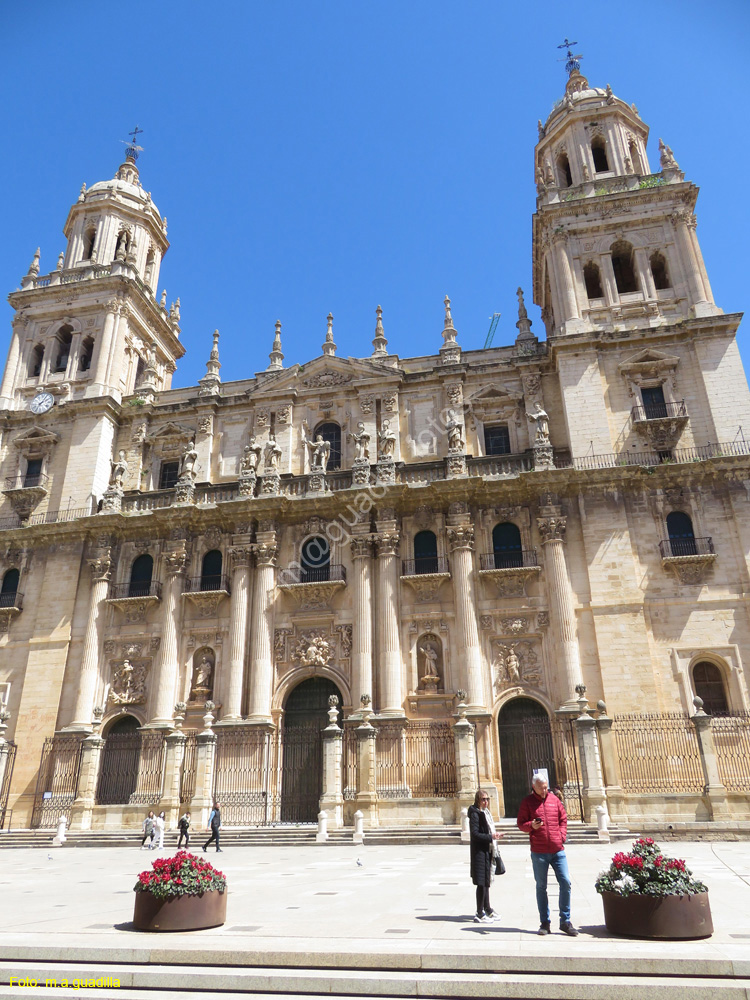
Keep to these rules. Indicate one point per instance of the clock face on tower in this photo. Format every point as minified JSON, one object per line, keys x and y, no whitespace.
{"x":42,"y":402}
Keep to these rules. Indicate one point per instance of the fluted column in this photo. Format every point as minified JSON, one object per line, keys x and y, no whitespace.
{"x":609,"y":285}
{"x":564,"y":278}
{"x":683,"y":220}
{"x":361,"y":547}
{"x":101,"y":567}
{"x":390,"y":679}
{"x":240,"y":556}
{"x":11,"y":367}
{"x":552,"y":524}
{"x":645,"y":278}
{"x":261,"y":662}
{"x":168,"y":667}
{"x":105,"y":342}
{"x":461,"y":541}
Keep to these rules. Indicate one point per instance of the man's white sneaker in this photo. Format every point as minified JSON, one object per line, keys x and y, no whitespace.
{"x":479,"y":918}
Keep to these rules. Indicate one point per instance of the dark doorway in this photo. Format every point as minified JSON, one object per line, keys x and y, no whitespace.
{"x":304,"y":720}
{"x":681,"y":536}
{"x":525,"y":746}
{"x":120,"y":758}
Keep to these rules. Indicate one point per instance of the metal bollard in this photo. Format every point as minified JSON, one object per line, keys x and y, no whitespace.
{"x":359,"y":827}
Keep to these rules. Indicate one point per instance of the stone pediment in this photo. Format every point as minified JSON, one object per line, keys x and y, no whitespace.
{"x":493,"y":399}
{"x":36,"y":441}
{"x":170,"y":439}
{"x":324,"y":373}
{"x":649,"y":359}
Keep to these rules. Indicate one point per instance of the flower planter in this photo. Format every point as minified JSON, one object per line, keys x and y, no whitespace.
{"x":642,"y":916}
{"x":179,"y":913}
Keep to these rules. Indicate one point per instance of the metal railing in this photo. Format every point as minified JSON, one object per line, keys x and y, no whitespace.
{"x":136,"y":588}
{"x":132,"y":769}
{"x":673,"y":548}
{"x":508,"y":559}
{"x":657,"y":411}
{"x":11,"y":599}
{"x":10,"y":760}
{"x":349,"y":763}
{"x":430,"y":759}
{"x":424,"y":564}
{"x":658,"y":752}
{"x":315,"y":574}
{"x":678,"y":456}
{"x":732,"y":746}
{"x":25,"y":482}
{"x":188,"y":769}
{"x":203,"y":584}
{"x":57,"y":781}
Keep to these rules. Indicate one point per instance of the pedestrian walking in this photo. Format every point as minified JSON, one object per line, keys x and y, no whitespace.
{"x":159,"y":824}
{"x":542,"y":815}
{"x":214,"y":825}
{"x":148,"y":830}
{"x":482,"y":853}
{"x":184,"y":826}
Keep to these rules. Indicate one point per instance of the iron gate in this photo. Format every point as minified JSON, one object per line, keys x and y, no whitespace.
{"x":301,"y":772}
{"x":57,"y":781}
{"x":533,"y":744}
{"x":132,"y":769}
{"x":8,"y":774}
{"x":245,"y":775}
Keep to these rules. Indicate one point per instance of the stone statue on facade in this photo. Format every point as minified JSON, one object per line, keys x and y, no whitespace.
{"x":202,"y":685}
{"x":362,"y":441}
{"x":387,"y":441}
{"x":512,"y":666}
{"x":430,"y":678}
{"x":250,"y":458}
{"x":272,"y":453}
{"x":455,"y":441}
{"x":187,"y":465}
{"x":119,"y":471}
{"x":320,"y":451}
{"x":541,"y":419}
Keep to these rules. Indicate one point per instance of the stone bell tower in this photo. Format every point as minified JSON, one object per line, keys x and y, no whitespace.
{"x":93,"y":326}
{"x":614,"y":243}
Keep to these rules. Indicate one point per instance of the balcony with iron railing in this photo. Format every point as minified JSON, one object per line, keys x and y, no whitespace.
{"x":658,"y":411}
{"x":135,"y":589}
{"x":424,"y":565}
{"x":207,"y":584}
{"x":678,"y":548}
{"x":315,"y":574}
{"x":12,"y":599}
{"x":508,"y":559}
{"x":26,"y":482}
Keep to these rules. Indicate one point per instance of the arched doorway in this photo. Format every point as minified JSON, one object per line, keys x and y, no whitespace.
{"x":525,"y":746}
{"x":118,"y":775}
{"x":304,"y":720}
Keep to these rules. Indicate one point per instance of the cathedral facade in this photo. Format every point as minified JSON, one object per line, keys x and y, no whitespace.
{"x":371,"y":584}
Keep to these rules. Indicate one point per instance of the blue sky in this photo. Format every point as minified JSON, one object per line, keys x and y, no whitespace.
{"x":330,"y":156}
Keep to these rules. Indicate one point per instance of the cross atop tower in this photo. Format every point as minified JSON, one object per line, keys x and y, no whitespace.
{"x":133,"y":148}
{"x":572,"y":62}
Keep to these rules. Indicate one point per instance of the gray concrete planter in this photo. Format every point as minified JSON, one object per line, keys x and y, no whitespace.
{"x":642,"y":916}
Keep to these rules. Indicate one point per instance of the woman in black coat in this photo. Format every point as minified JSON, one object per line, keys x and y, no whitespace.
{"x":482,"y":867}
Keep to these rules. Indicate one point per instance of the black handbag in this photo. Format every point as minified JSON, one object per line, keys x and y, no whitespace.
{"x":499,"y":866}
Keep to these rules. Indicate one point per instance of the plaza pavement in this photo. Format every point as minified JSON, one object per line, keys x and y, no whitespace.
{"x":406,"y":909}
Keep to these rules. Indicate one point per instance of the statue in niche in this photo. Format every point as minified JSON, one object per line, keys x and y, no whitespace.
{"x":540,"y":418}
{"x":320,"y":450}
{"x":387,"y":441}
{"x":362,"y":441}
{"x":187,"y":466}
{"x":429,"y":650}
{"x":272,"y":453}
{"x":119,"y":471}
{"x":203,"y":675}
{"x":250,"y":458}
{"x":512,"y":666}
{"x":455,"y":441}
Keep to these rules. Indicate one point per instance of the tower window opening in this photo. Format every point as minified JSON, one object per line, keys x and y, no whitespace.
{"x":599,"y":153}
{"x":64,"y":338}
{"x":564,"y":176}
{"x":148,"y":274}
{"x":35,"y":362}
{"x":593,"y":279}
{"x":635,"y":157}
{"x":659,"y":270}
{"x":623,"y":264}
{"x":87,"y":352}
{"x":89,"y":238}
{"x":139,"y":369}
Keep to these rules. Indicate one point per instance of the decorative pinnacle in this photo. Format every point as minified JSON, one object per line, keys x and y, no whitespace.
{"x":449,"y":331}
{"x":34,"y":265}
{"x":133,"y":148}
{"x":209,"y":384}
{"x":329,"y":347}
{"x":524,"y":323}
{"x":380,"y":344}
{"x":276,"y":356}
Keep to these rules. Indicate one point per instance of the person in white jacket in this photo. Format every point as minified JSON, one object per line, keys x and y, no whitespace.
{"x":160,"y":823}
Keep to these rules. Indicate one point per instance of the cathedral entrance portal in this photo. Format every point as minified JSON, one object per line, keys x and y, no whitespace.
{"x":118,"y":775}
{"x":302,"y":749}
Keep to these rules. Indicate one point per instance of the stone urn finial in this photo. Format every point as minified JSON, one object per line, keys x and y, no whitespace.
{"x":98,"y":715}
{"x":179,"y":714}
{"x":333,"y":712}
{"x":461,"y":695}
{"x":4,"y":716}
{"x":208,"y":718}
{"x":698,"y":702}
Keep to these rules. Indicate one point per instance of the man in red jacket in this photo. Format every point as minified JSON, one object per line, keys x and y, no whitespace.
{"x":543,"y":817}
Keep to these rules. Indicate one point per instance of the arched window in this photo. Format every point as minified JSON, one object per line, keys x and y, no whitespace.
{"x":623,"y":264}
{"x":315,"y":560}
{"x":35,"y":361}
{"x":89,"y":238}
{"x":659,"y":271}
{"x":708,"y":684}
{"x":506,"y":546}
{"x":64,"y":339}
{"x":331,"y":433}
{"x":592,"y":277}
{"x":425,"y":552}
{"x":9,"y":589}
{"x":87,"y":351}
{"x":681,"y":536}
{"x":635,"y":157}
{"x":140,"y":576}
{"x":211,"y":570}
{"x":599,"y":153}
{"x":564,"y":176}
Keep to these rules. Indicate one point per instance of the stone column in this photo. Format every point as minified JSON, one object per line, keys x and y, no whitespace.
{"x":167,"y":668}
{"x":240,"y":557}
{"x":173,"y":758}
{"x":611,"y":295}
{"x":461,"y":541}
{"x":714,"y":791}
{"x":643,"y":269}
{"x":611,"y":764}
{"x":564,"y":273}
{"x":367,"y":792}
{"x":332,"y":798}
{"x":361,"y":546}
{"x":592,"y":780}
{"x":552,"y":524}
{"x":261,"y":660}
{"x":11,"y":366}
{"x":682,"y":221}
{"x":467,"y":775}
{"x":103,"y":347}
{"x":390,"y":674}
{"x":205,"y":754}
{"x":82,"y":810}
{"x":101,"y":567}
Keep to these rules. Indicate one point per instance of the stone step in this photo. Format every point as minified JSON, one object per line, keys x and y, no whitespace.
{"x":150,"y":980}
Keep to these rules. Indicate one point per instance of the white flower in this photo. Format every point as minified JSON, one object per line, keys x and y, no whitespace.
{"x":625,"y":884}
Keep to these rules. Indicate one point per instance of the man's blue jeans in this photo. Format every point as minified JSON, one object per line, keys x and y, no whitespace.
{"x":541,"y":863}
